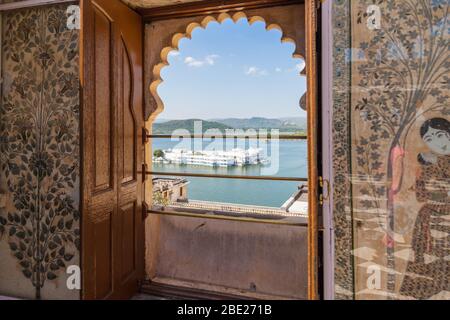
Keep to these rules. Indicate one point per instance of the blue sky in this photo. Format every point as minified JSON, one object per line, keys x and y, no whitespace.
{"x":232,"y":70}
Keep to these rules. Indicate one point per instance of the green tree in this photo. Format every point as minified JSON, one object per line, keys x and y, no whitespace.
{"x":159,"y":153}
{"x":159,"y":199}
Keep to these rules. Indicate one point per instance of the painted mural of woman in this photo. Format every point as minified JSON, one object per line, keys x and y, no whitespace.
{"x":428,"y":272}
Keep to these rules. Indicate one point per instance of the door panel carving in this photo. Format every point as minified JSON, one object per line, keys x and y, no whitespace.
{"x":103,"y":111}
{"x":113,"y":233}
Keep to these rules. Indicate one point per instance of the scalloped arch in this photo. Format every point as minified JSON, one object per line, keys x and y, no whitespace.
{"x":157,"y":80}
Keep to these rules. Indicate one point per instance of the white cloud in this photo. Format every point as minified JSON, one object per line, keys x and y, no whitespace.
{"x":209,"y":60}
{"x":255,"y":71}
{"x":174,"y":53}
{"x":278,"y":69}
{"x":192,"y":62}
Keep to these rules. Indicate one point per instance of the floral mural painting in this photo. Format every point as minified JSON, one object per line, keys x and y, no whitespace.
{"x":431,"y":237}
{"x":400,"y":78}
{"x":39,"y":146}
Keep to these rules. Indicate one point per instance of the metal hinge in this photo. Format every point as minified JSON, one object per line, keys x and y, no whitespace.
{"x":322,"y":183}
{"x":144,"y":172}
{"x":145,"y":209}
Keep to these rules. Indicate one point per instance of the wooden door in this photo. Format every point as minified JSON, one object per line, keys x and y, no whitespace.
{"x":112,"y":122}
{"x":311,"y":27}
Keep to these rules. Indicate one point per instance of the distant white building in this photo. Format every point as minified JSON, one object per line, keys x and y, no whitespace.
{"x":169,"y":190}
{"x":235,"y":157}
{"x":298,"y":202}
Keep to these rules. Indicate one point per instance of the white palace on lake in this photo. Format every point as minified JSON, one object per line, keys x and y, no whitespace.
{"x":235,"y":157}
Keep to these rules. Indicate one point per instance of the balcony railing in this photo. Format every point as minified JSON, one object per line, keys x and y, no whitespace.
{"x":207,"y":215}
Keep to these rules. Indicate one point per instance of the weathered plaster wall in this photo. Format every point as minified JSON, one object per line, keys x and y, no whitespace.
{"x":250,"y":259}
{"x":392,"y":200}
{"x":39,"y":153}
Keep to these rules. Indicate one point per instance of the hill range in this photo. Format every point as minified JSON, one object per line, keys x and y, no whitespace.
{"x":286,"y":125}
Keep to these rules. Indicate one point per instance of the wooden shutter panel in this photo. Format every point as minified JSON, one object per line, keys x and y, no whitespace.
{"x":112,"y":117}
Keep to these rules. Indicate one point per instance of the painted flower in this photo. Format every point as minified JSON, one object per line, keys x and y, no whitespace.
{"x":62,"y":127}
{"x":41,"y":164}
{"x":69,"y":85}
{"x":57,"y":21}
{"x":66,"y":206}
{"x":24,"y":128}
{"x":44,"y":58}
{"x":24,"y":29}
{"x":45,"y":55}
{"x":21,"y":85}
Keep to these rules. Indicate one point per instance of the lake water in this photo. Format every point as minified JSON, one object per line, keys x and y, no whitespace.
{"x":288,"y":159}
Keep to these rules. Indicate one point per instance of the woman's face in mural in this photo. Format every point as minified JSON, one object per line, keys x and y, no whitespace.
{"x":438,"y":141}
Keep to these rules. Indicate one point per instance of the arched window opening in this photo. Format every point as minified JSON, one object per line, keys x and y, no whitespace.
{"x":234,"y":81}
{"x":229,"y":149}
